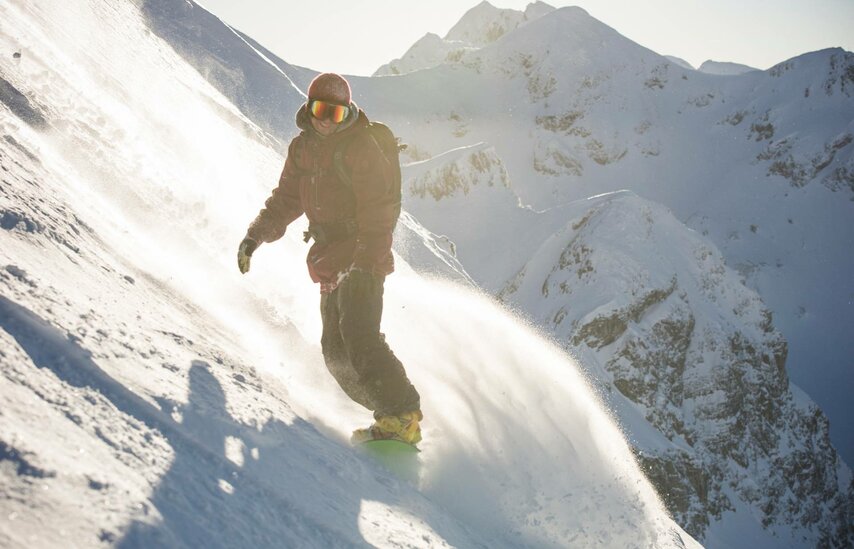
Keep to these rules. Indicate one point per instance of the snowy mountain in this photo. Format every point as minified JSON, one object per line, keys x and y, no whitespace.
{"x":724,"y":68}
{"x":679,"y":61}
{"x":688,"y":355}
{"x":760,"y":162}
{"x":152,"y":396}
{"x":673,"y":333}
{"x":429,"y":51}
{"x":757,"y":163}
{"x":481,"y":25}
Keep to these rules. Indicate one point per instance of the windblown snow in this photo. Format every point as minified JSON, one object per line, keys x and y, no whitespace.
{"x":152,"y":396}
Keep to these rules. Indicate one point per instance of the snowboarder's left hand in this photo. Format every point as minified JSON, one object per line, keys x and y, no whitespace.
{"x":244,"y":254}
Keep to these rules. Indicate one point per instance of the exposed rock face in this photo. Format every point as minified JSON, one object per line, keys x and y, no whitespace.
{"x":466,"y":196}
{"x":478,"y":168}
{"x":678,"y":340}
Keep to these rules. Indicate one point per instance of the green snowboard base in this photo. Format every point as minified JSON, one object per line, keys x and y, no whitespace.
{"x":398,"y":457}
{"x":390,"y":447}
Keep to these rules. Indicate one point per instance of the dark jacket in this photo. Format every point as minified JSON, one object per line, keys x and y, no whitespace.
{"x":309,"y":184}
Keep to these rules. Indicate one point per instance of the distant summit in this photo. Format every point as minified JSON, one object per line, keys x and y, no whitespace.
{"x":480,"y":26}
{"x":679,"y":61}
{"x":725,"y":68}
{"x":484,"y":24}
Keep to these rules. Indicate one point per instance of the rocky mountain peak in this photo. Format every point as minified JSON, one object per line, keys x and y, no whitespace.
{"x":479,"y":26}
{"x":537,"y":9}
{"x":484,"y":24}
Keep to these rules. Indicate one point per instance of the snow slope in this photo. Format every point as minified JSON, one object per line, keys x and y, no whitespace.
{"x":262,"y":86}
{"x":153,"y":396}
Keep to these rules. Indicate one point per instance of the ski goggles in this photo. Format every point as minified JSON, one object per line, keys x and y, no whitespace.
{"x":323,"y":110}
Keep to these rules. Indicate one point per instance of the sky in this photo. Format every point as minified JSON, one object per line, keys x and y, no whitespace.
{"x":357,"y":38}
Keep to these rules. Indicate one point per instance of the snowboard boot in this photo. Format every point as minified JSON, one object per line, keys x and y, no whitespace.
{"x":404,"y":428}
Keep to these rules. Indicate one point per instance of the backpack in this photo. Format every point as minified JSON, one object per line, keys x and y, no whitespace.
{"x":389,"y":145}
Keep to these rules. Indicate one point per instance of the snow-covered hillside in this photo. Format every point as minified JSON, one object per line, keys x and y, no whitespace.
{"x":262,"y":86}
{"x":152,"y":396}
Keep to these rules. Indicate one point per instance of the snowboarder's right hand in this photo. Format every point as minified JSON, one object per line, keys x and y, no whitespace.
{"x":244,"y":254}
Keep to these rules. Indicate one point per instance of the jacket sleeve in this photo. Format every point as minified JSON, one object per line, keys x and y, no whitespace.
{"x":283,"y":206}
{"x":375,"y":207}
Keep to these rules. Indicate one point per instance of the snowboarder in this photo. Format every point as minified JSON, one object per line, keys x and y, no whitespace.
{"x":351,"y":225}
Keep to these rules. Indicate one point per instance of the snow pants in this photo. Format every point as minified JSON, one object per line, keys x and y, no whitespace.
{"x":357,"y":354}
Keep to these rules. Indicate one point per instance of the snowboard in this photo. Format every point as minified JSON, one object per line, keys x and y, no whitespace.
{"x":397,"y":456}
{"x":390,"y":446}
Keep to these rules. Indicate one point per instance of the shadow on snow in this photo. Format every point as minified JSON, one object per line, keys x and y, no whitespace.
{"x":282,"y":485}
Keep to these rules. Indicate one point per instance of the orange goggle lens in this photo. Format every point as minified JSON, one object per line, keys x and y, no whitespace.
{"x":323,"y":110}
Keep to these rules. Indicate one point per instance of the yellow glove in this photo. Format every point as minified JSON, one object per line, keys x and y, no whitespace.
{"x":244,"y":254}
